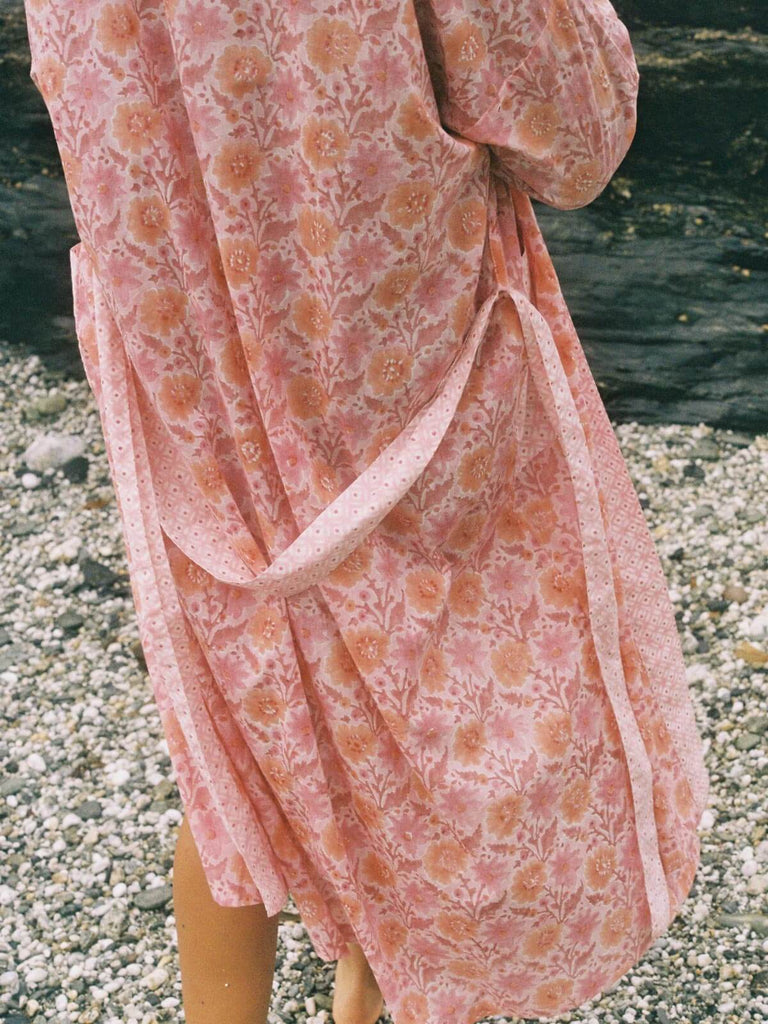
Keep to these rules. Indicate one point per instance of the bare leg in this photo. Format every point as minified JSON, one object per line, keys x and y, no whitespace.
{"x":357,"y":998}
{"x":226,"y":954}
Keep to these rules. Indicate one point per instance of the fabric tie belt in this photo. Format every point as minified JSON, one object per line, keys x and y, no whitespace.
{"x":354,"y":513}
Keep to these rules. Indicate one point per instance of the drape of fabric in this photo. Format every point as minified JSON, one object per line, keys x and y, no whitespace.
{"x":408,"y":634}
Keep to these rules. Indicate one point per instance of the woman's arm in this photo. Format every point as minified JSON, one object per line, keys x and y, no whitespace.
{"x":549,"y":85}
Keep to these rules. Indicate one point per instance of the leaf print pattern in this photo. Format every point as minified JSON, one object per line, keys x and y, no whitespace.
{"x":405,"y":625}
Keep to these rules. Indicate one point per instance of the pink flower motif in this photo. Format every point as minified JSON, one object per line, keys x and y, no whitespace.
{"x":201,"y":25}
{"x":372,"y":171}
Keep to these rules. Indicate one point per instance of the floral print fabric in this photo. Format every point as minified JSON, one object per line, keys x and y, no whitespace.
{"x":408,"y":634}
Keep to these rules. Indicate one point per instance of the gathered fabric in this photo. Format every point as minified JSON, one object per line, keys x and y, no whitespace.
{"x":409,"y":638}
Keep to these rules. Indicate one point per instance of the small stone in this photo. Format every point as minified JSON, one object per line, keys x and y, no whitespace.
{"x":753,"y":656}
{"x":735,"y":592}
{"x":694,"y":471}
{"x":70,"y":621}
{"x":746,"y":741}
{"x":76,"y":470}
{"x":36,"y":763}
{"x":758,"y":923}
{"x":156,"y":978}
{"x":153,"y":899}
{"x":757,"y":885}
{"x":30,"y":481}
{"x":49,"y":451}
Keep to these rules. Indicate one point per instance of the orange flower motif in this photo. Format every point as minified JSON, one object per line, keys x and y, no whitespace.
{"x":242,"y":69}
{"x":240,"y":259}
{"x":469,"y":742}
{"x":136,"y":125}
{"x":444,"y":860}
{"x":554,"y":733}
{"x":541,"y":519}
{"x":538,"y":126}
{"x":510,"y":525}
{"x":600,"y":866}
{"x":564,"y":588}
{"x":456,"y":926}
{"x":466,"y":531}
{"x":579,"y":186}
{"x":392,"y":936}
{"x":376,"y":871}
{"x":317,"y":233}
{"x":148,"y":219}
{"x":504,"y":815}
{"x":306,"y":396}
{"x":266,"y":627}
{"x":341,"y":664}
{"x":662,"y":741}
{"x":410,"y":203}
{"x":208,"y":476}
{"x":465,"y":47}
{"x":264,"y":706}
{"x":414,"y":118}
{"x":161,"y":310}
{"x":542,"y":939}
{"x":401,"y":520}
{"x":117,"y":28}
{"x":381,"y":440}
{"x":332,"y":44}
{"x":178,"y":394}
{"x":475,"y":467}
{"x":353,"y":567}
{"x":553,"y":995}
{"x":433,"y":673}
{"x":470,"y":970}
{"x":466,"y":224}
{"x":413,"y":1008}
{"x":324,"y":479}
{"x":325,"y":143}
{"x":395,"y":286}
{"x":356,"y":742}
{"x":389,"y":369}
{"x":368,"y":645}
{"x":237,"y":164}
{"x":231,"y":361}
{"x":49,"y":76}
{"x":253,"y":446}
{"x":616,"y":926}
{"x":575,"y":800}
{"x":511,"y":662}
{"x":190,"y":578}
{"x":425,"y":589}
{"x":683,"y":797}
{"x":332,"y":840}
{"x":528,"y":882}
{"x":311,"y":316}
{"x":466,"y":593}
{"x":281,"y":779}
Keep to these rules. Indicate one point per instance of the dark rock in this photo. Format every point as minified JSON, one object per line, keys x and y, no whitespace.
{"x":70,"y":621}
{"x":88,"y":809}
{"x":153,"y":899}
{"x":76,"y":470}
{"x":694,"y":471}
{"x":97,"y":575}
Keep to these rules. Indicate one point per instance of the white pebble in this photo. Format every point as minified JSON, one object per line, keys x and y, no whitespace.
{"x":36,"y":763}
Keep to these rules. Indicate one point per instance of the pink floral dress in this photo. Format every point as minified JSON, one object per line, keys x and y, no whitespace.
{"x":405,"y":625}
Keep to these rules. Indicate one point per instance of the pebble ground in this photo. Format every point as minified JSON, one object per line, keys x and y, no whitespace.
{"x":89,"y":810}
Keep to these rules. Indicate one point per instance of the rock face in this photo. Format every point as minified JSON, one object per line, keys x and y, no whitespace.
{"x":665,"y":273}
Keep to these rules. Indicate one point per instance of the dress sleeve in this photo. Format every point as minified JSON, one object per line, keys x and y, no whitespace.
{"x":549,"y":85}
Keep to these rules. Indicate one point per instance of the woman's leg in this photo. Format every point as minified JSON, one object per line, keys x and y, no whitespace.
{"x":357,"y":998}
{"x":226,"y":954}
